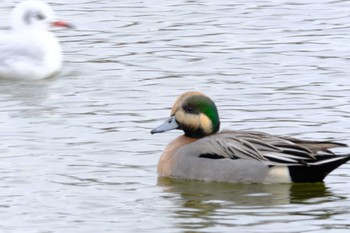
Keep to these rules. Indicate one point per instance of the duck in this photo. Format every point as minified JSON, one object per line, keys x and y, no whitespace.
{"x":29,"y":51}
{"x":205,"y":153}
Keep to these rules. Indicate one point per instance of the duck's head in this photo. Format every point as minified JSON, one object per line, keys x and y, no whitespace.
{"x":195,"y":114}
{"x":35,"y":14}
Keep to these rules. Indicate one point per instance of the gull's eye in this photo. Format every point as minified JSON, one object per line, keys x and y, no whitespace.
{"x":40,"y":16}
{"x":32,"y":16}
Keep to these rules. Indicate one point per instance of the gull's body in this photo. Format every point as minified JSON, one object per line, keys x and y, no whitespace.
{"x":29,"y":51}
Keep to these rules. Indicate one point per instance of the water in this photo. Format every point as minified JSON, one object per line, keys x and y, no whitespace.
{"x":76,"y":152}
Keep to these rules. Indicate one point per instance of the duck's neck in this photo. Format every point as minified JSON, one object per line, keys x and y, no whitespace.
{"x":195,"y":134}
{"x":200,"y":132}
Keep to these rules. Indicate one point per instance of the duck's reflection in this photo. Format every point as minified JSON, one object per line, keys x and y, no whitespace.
{"x":244,"y":194}
{"x":199,"y":205}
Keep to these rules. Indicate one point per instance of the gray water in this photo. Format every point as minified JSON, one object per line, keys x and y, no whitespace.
{"x":76,"y":152}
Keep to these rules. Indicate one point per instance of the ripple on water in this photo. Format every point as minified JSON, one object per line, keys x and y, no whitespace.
{"x":77,"y":155}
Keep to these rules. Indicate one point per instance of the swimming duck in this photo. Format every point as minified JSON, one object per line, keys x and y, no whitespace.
{"x":204,"y":153}
{"x":29,"y":50}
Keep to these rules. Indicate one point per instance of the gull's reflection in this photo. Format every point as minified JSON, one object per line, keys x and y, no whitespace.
{"x":25,"y":92}
{"x":25,"y":99}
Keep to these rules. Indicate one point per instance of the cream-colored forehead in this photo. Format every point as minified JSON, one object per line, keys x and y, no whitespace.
{"x":182,"y":99}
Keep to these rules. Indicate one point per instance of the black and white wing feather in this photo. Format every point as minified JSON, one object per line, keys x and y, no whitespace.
{"x":272,"y":150}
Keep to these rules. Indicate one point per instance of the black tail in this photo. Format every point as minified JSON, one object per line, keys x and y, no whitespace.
{"x":316,"y":171}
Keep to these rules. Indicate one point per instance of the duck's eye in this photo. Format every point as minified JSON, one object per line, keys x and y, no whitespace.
{"x":188,"y":108}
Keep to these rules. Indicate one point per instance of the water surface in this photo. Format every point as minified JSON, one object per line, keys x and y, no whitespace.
{"x":76,"y":152}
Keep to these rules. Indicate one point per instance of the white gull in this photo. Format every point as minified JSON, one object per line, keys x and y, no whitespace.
{"x":29,"y":51}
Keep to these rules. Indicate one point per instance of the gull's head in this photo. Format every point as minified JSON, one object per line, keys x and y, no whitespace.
{"x":34,"y":14}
